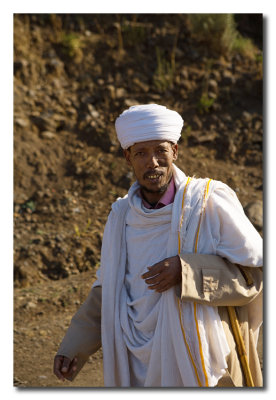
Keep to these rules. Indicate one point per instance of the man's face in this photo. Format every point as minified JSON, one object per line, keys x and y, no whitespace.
{"x":152,"y":165}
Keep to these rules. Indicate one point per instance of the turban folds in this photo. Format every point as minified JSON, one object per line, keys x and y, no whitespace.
{"x":142,"y":123}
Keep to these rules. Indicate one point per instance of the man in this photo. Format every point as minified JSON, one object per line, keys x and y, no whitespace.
{"x":178,"y":254}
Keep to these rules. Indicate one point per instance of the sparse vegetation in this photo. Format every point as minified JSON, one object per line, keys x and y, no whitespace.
{"x":134,"y":33}
{"x":218,"y":31}
{"x":164,"y":74}
{"x":244,"y":46}
{"x":205,"y":103}
{"x":71,"y":45}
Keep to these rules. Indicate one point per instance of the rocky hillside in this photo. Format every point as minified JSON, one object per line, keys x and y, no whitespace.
{"x":73,"y":75}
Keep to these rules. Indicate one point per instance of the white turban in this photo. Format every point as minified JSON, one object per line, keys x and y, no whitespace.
{"x":148,"y":122}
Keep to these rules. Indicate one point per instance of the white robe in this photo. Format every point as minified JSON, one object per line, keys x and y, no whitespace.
{"x":142,"y":331}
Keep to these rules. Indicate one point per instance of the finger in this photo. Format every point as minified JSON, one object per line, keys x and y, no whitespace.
{"x":57,"y":367}
{"x":164,"y":275}
{"x":163,"y":285}
{"x":157,"y":285}
{"x":164,"y":288}
{"x":156,"y":269}
{"x":73,"y":366}
{"x":65,"y":365}
{"x":152,"y":281}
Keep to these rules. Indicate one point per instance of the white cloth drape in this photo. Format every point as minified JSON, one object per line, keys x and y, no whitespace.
{"x":142,"y":339}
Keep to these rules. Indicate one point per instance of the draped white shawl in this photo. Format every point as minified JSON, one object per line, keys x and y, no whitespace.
{"x":152,"y":339}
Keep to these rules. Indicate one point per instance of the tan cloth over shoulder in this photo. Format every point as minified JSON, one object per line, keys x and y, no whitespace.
{"x":206,"y":279}
{"x":212,"y":280}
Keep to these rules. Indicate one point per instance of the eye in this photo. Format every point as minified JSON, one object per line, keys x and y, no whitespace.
{"x":139,"y":154}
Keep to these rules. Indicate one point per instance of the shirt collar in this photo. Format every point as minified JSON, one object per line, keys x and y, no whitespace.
{"x":166,"y":199}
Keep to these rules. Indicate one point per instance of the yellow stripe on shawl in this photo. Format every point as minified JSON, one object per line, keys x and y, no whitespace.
{"x":179,"y":308}
{"x":206,"y":190}
{"x":196,"y":322}
{"x":182,"y":212}
{"x":186,"y":343}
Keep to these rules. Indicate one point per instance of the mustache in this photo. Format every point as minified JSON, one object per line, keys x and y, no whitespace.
{"x":148,"y":173}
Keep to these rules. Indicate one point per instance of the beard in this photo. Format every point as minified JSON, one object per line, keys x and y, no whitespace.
{"x":162,"y":189}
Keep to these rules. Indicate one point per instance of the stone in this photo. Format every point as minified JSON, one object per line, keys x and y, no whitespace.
{"x":131,"y":102}
{"x":141,"y":85}
{"x":246,"y":116}
{"x":112,"y":91}
{"x":254,"y":212}
{"x":29,"y":305}
{"x":21,"y":122}
{"x":196,"y":121}
{"x":213,"y":85}
{"x":43,"y":122}
{"x":47,"y":135}
{"x":228,"y":78}
{"x":184,"y":73}
{"x":120,"y":92}
{"x":186,"y":84}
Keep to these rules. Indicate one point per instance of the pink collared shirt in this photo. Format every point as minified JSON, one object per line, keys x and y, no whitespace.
{"x":166,"y":199}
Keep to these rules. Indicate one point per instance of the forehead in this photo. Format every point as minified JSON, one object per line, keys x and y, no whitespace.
{"x":150,"y":144}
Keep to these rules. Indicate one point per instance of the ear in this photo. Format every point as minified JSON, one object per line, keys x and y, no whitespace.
{"x":175,"y":151}
{"x":127,"y":156}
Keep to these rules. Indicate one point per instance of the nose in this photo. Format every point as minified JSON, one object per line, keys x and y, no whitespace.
{"x":152,"y":162}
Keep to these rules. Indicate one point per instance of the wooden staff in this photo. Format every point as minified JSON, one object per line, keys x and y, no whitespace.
{"x":240,"y":346}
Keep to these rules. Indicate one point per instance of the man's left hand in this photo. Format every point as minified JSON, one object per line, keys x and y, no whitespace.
{"x":164,"y":275}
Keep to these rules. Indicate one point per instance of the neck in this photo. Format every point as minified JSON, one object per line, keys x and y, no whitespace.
{"x":152,"y":197}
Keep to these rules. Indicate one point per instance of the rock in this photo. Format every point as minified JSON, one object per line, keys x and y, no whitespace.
{"x":29,"y":305}
{"x":196,"y":121}
{"x":120,"y":92}
{"x":93,"y":112}
{"x":228,"y":78}
{"x":43,"y":122}
{"x":19,"y":66}
{"x":131,"y":102}
{"x":55,"y":66}
{"x":112,"y":91}
{"x":215,"y":74}
{"x":21,"y":122}
{"x":213,"y":86}
{"x":184,"y":73}
{"x":48,"y":135}
{"x":141,"y":85}
{"x":196,"y":138}
{"x":246,"y":116}
{"x":258,"y":125}
{"x":254,"y":212}
{"x":186,"y":84}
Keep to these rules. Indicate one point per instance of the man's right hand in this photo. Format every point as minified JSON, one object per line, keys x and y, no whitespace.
{"x":64,"y":368}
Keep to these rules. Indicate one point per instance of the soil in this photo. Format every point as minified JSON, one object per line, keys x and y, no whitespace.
{"x":73,"y":75}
